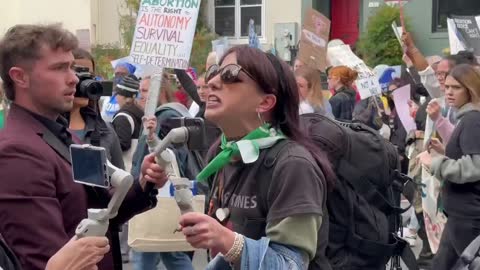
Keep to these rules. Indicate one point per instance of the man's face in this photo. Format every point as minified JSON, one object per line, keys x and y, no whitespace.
{"x":52,"y":82}
{"x":443,"y":68}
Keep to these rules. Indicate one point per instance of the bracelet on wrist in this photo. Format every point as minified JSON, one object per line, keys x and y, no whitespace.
{"x":235,"y":251}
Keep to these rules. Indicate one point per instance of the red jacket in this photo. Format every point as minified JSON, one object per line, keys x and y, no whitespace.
{"x":40,"y":205}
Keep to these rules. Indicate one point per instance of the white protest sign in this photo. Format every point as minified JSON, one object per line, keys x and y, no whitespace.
{"x":367,"y":83}
{"x":164,"y":33}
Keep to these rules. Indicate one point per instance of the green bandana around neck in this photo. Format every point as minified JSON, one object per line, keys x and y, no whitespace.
{"x":248,"y":148}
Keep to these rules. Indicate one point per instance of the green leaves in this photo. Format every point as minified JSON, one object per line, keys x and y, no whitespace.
{"x":379,"y":45}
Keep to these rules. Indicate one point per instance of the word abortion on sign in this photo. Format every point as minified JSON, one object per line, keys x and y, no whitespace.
{"x":164,"y":33}
{"x":367,"y":82}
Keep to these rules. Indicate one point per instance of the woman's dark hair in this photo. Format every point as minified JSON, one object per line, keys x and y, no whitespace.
{"x":83,"y":54}
{"x":462,"y":57}
{"x":275,"y":77}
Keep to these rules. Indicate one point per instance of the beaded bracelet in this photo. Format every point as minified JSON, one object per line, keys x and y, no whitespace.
{"x":236,"y":251}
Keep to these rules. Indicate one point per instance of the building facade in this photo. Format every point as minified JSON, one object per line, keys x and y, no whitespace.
{"x":274,"y":18}
{"x":94,"y":21}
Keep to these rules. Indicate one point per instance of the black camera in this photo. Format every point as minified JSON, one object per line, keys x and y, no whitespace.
{"x":87,"y":87}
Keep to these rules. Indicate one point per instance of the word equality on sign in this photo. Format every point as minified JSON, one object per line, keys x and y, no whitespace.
{"x":164,"y":33}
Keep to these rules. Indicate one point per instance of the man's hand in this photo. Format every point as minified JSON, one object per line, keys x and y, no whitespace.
{"x":433,"y":110}
{"x":408,"y":42}
{"x":79,"y":254}
{"x":152,"y":172}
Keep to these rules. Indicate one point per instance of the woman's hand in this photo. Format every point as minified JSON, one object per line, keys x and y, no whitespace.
{"x":436,"y":146}
{"x":152,"y":172}
{"x":150,"y":124}
{"x":79,"y":254}
{"x":202,"y":231}
{"x":433,"y":110}
{"x":425,"y":158}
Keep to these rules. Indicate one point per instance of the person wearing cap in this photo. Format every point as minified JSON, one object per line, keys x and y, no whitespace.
{"x":111,"y":107}
{"x":127,"y":122}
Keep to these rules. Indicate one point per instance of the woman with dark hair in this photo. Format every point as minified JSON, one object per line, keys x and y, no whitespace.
{"x":86,"y":122}
{"x":268,"y":182}
{"x":458,"y":166}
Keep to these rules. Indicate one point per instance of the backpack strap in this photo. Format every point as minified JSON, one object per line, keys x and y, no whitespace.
{"x":129,"y":119}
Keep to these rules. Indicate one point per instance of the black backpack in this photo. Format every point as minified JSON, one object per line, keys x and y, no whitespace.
{"x":363,"y":207}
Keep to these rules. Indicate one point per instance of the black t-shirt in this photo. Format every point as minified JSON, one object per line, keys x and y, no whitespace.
{"x":296,"y":186}
{"x":463,"y":200}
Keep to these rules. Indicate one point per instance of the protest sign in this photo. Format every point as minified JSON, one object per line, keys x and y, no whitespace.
{"x":164,"y":33}
{"x":401,"y":97}
{"x":314,"y":39}
{"x":464,"y":33}
{"x":367,"y":82}
{"x":386,"y":74}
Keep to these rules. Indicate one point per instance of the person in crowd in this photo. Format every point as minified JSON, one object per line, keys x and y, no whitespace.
{"x":185,"y":88}
{"x":298,"y":64}
{"x":127,"y":122}
{"x":211,"y":60}
{"x":310,"y":91}
{"x":40,"y":205}
{"x":150,"y":260}
{"x":458,"y":166}
{"x":110,"y":108}
{"x":86,"y":122}
{"x":202,"y":91}
{"x":254,"y":100}
{"x":341,"y":79}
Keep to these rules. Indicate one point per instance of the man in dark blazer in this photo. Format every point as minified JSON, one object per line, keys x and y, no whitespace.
{"x":40,"y":204}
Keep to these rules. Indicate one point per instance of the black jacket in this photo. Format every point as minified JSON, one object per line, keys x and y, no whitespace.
{"x":123,"y":127}
{"x":343,"y":102}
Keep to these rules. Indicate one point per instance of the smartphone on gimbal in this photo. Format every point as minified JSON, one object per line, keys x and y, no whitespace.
{"x":89,"y":165}
{"x":196,"y":130}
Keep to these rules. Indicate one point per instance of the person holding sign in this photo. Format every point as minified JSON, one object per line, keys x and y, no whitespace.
{"x":276,"y":223}
{"x":341,"y":79}
{"x":458,"y":166}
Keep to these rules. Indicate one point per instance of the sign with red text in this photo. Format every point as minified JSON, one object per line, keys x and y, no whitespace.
{"x":164,"y":33}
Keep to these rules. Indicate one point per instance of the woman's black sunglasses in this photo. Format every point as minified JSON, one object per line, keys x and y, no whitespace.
{"x":228,"y":73}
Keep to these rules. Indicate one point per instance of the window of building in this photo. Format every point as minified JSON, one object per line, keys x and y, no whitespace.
{"x":442,"y":9}
{"x":232,"y":17}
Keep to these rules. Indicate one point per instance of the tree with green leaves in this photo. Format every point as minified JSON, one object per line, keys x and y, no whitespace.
{"x":379,"y":45}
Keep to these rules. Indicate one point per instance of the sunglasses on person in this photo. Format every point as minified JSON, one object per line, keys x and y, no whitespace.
{"x":228,"y":73}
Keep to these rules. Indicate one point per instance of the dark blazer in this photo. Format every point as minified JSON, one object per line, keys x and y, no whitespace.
{"x":40,"y":205}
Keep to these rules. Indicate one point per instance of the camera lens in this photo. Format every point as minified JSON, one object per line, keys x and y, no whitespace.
{"x":91,"y":88}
